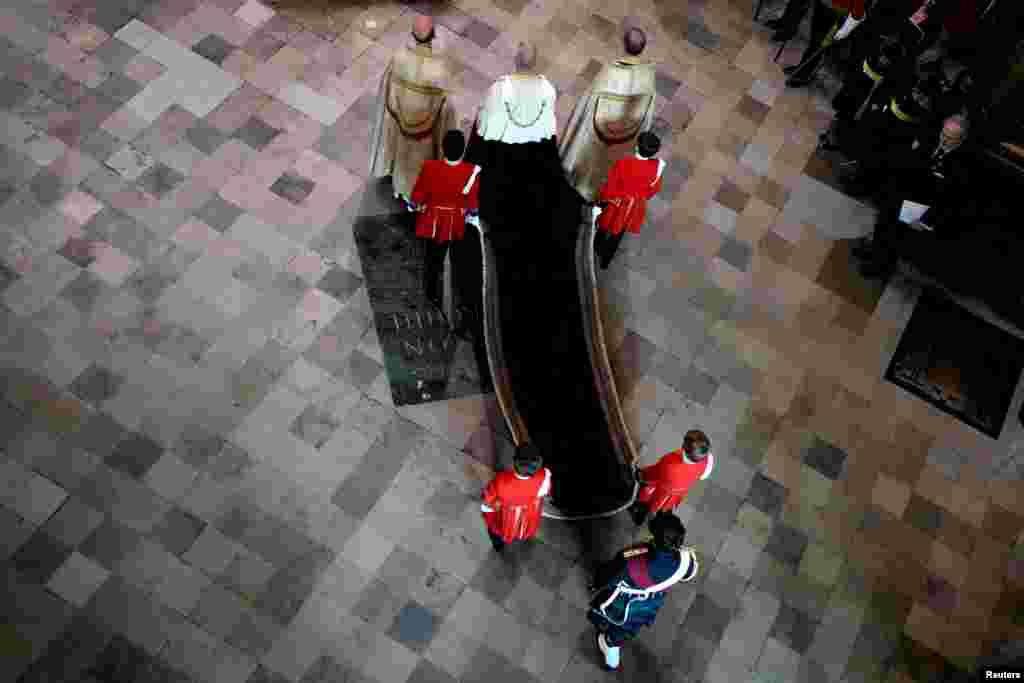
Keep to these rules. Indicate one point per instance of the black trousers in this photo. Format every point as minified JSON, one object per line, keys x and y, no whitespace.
{"x":497,"y":541}
{"x":605,"y":246}
{"x":432,"y":269}
{"x":823,"y":18}
{"x":638,"y":511}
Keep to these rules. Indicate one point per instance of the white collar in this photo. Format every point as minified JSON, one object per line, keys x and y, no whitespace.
{"x":686,"y":458}
{"x":519,"y":476}
{"x":453,"y":163}
{"x":640,"y":156}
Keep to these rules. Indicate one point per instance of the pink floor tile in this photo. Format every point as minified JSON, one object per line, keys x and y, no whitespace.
{"x":66,"y":127}
{"x":130,"y":199}
{"x":328,"y":344}
{"x":269,"y":77}
{"x":187,"y":32}
{"x":80,"y":207}
{"x":195,"y":235}
{"x":217,"y":20}
{"x":73,"y":166}
{"x":791,"y":232}
{"x":112,"y":265}
{"x":254,"y":13}
{"x":309,"y":266}
{"x":226,"y":247}
{"x":173,"y":123}
{"x":188,"y":196}
{"x":235,"y":111}
{"x":316,"y":303}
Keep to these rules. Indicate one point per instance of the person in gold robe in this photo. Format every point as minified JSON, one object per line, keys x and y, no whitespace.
{"x":413,"y":111}
{"x":607,"y":119}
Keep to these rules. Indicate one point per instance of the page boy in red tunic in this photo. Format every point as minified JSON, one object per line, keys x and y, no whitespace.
{"x":514,"y":499}
{"x":631,"y":183}
{"x":664,"y":485}
{"x":445,"y":193}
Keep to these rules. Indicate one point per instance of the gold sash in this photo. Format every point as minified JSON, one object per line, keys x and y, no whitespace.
{"x":416,"y":124}
{"x":619,"y":118}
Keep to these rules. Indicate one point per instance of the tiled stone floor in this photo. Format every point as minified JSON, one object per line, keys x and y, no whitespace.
{"x":176,"y":178}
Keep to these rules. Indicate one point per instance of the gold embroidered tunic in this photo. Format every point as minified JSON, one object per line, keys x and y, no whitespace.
{"x":605,"y":122}
{"x":413,"y":115}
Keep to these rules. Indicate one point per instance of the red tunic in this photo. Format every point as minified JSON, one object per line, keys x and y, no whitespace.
{"x":631,"y":182}
{"x":441,"y":191}
{"x":667,"y":481}
{"x":854,"y":7}
{"x":515,"y":504}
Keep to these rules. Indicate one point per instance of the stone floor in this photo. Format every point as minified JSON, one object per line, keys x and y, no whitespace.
{"x":203,"y":477}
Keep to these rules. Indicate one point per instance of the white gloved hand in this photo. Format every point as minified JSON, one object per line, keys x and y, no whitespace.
{"x":848,"y":26}
{"x":596,"y":211}
{"x":473,"y":220}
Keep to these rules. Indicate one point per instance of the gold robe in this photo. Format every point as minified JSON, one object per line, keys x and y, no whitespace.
{"x":413,"y":115}
{"x":605,"y":122}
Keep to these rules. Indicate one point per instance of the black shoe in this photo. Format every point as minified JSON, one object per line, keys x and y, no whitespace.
{"x":784,"y":34}
{"x":799,"y":81}
{"x":864,"y":250}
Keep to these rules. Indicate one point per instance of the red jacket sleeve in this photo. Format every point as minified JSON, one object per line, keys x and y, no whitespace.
{"x":421,"y":191}
{"x":473,"y":198}
{"x":655,"y":188}
{"x":491,"y":495}
{"x":854,"y":7}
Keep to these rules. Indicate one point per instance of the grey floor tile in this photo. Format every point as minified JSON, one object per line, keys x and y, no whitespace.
{"x":212,"y":552}
{"x":256,"y":133}
{"x":214,"y":48}
{"x":496,"y":578}
{"x":14,"y":532}
{"x":378,"y":605}
{"x":786,"y":544}
{"x":96,"y":384}
{"x":159,"y":180}
{"x":255,"y":633}
{"x":70,"y":655}
{"x":707,"y":619}
{"x":205,"y":137}
{"x":135,"y":455}
{"x":110,"y":543}
{"x":291,"y":586}
{"x":292,"y":187}
{"x":178,"y":531}
{"x":218,"y":611}
{"x":766,"y":495}
{"x":427,"y":672}
{"x":39,"y":557}
{"x":128,"y":611}
{"x":793,"y":628}
{"x":825,"y":458}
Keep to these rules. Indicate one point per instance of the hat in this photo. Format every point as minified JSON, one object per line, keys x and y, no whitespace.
{"x":453,"y":145}
{"x":648,"y":144}
{"x":635,"y":41}
{"x":696,"y":444}
{"x":527,"y":461}
{"x":423,"y":28}
{"x":668,"y":530}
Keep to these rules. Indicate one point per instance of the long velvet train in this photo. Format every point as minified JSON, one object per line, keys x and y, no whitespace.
{"x":532,"y":216}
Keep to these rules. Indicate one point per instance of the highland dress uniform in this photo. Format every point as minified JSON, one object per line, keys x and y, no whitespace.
{"x":631,"y":183}
{"x":631,"y":588}
{"x":445,"y":193}
{"x":512,"y":505}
